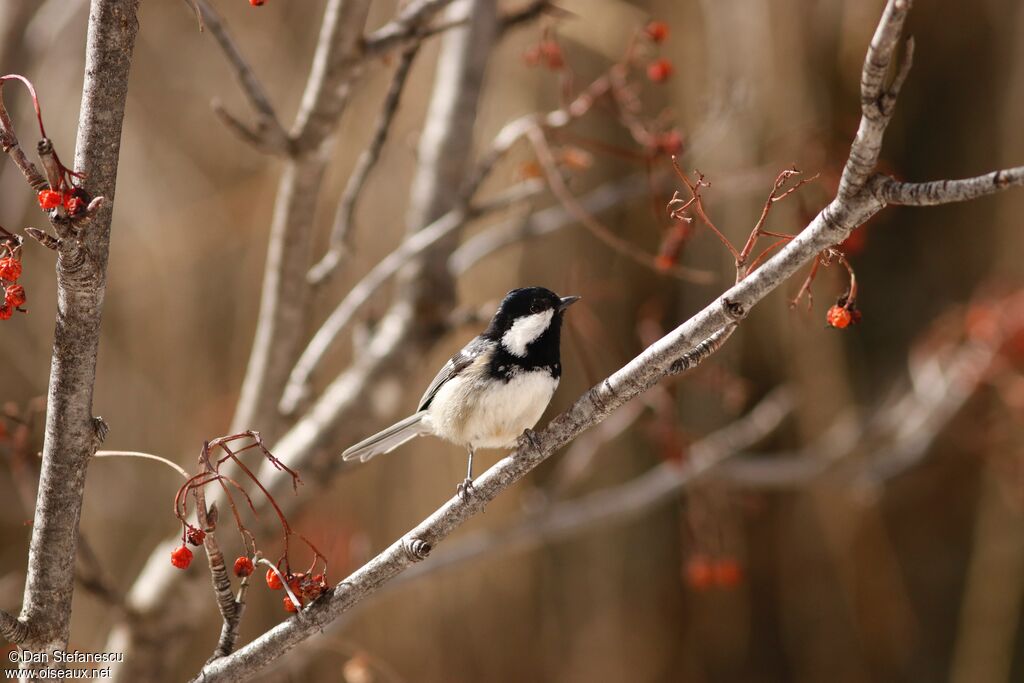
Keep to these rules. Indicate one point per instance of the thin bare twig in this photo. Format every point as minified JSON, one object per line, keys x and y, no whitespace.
{"x":342,"y":228}
{"x":269,"y":134}
{"x":594,"y":226}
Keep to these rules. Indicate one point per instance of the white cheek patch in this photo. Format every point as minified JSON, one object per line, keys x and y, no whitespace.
{"x":525,"y":331}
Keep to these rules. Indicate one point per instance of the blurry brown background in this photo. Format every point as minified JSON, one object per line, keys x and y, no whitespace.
{"x":837,"y":586}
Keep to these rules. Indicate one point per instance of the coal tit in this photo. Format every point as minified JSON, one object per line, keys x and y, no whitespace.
{"x":492,"y":390}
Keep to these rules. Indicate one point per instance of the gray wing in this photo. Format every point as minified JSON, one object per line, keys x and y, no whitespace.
{"x":456,"y":364}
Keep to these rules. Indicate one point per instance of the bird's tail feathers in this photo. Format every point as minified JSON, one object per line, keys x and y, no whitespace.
{"x":388,"y":439}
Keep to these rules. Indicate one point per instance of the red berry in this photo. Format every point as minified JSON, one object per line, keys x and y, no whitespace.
{"x":663,"y":262}
{"x":274,"y":580}
{"x":195,"y":536}
{"x":838,"y":317}
{"x":243,"y":566}
{"x":552,"y":54}
{"x":727,"y":573}
{"x":10,"y":269}
{"x":48,"y":199}
{"x":6,"y":312}
{"x":657,"y":31}
{"x":659,"y":70}
{"x":699,"y":573}
{"x":670,"y":143}
{"x":289,"y":606}
{"x":256,"y":3}
{"x":15,"y":296}
{"x":181,"y":557}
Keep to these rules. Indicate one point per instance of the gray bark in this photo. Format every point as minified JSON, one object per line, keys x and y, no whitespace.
{"x":71,"y":432}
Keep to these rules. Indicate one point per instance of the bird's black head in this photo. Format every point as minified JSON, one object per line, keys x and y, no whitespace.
{"x":527,"y":327}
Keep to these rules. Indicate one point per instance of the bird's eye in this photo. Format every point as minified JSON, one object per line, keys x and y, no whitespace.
{"x":535,"y":307}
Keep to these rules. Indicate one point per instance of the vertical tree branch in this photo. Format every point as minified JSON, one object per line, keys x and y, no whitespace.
{"x":281,"y":325}
{"x":71,"y":431}
{"x":445,"y":151}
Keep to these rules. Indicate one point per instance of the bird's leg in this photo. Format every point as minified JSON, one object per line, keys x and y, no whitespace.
{"x":465,"y":489}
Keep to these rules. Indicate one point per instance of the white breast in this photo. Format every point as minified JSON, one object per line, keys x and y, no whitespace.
{"x":466,"y":413}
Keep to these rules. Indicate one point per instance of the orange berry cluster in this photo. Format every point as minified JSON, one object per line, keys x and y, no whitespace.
{"x":13,"y":293}
{"x":703,"y":572}
{"x":75,"y":201}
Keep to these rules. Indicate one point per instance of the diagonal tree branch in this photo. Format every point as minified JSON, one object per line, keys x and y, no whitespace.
{"x":71,"y":431}
{"x":342,"y":229}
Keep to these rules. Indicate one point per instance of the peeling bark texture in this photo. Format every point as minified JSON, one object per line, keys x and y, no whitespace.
{"x":71,"y":433}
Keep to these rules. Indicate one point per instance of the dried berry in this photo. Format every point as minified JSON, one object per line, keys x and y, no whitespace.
{"x":76,"y":201}
{"x":243,"y":566}
{"x":181,"y":557}
{"x":49,"y":199}
{"x":195,"y":536}
{"x":657,"y":31}
{"x":14,"y":296}
{"x":274,"y":580}
{"x":6,"y":312}
{"x":660,"y":70}
{"x":289,"y":606}
{"x":10,"y":269}
{"x":256,"y":3}
{"x":307,"y":588}
{"x":838,"y":317}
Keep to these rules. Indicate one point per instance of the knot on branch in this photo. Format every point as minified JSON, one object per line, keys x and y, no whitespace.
{"x":13,"y":629}
{"x":734,"y":309}
{"x":417,"y":549}
{"x":76,"y":269}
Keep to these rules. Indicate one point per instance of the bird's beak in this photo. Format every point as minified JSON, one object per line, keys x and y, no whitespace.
{"x":566,"y":302}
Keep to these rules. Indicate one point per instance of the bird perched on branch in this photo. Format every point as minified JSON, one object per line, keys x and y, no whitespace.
{"x":492,"y":390}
